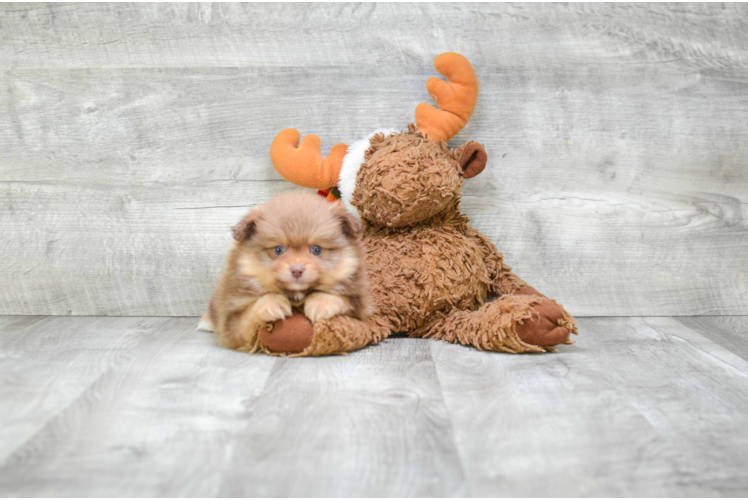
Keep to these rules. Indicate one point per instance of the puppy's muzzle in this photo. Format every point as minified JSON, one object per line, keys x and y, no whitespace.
{"x":297,"y":271}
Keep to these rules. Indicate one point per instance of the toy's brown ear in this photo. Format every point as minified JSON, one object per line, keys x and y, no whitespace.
{"x":349,"y":223}
{"x":473,"y":159}
{"x":246,"y":227}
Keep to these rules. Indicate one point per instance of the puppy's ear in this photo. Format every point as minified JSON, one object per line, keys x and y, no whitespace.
{"x":349,"y":223}
{"x":246,"y":227}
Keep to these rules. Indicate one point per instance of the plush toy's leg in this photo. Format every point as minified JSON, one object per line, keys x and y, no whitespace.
{"x":512,"y":323}
{"x":296,"y":336}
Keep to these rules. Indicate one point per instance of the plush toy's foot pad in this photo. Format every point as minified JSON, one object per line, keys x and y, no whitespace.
{"x":292,"y":335}
{"x":546,"y":327}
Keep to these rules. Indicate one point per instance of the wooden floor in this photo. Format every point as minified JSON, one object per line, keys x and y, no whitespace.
{"x":94,"y":406}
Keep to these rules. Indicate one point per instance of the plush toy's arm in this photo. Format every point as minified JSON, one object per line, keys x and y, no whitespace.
{"x":503,"y":280}
{"x":549,"y":324}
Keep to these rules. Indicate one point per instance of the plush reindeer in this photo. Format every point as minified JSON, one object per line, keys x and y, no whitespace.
{"x":431,"y":275}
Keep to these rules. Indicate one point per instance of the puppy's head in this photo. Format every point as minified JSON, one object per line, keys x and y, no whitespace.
{"x":299,"y":242}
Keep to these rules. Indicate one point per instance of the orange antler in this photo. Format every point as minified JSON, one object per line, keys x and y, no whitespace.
{"x":303,"y":164}
{"x":456,"y":98}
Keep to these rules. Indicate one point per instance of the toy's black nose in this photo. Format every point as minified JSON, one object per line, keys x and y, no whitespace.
{"x":297,"y":271}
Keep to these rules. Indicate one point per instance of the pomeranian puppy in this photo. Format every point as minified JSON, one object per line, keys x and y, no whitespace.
{"x":297,"y":250}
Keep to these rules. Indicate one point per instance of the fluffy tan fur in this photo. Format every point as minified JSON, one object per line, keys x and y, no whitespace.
{"x":431,"y":274}
{"x":296,"y":251}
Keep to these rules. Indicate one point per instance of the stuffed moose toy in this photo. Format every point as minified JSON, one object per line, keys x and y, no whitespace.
{"x":430,"y":274}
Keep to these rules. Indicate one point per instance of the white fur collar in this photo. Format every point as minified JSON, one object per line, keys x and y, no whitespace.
{"x":351,"y":164}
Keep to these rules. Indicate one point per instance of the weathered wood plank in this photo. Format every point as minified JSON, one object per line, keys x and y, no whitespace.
{"x":639,"y":407}
{"x":149,"y":407}
{"x":47,"y":363}
{"x":182,"y":416}
{"x":230,"y":35}
{"x":617,"y":139}
{"x":372,"y":423}
{"x":161,"y":423}
{"x":731,"y":332}
{"x":134,"y":221}
{"x":610,"y":128}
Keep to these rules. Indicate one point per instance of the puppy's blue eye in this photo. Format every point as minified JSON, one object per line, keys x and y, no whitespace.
{"x":279,"y":250}
{"x":316,"y":250}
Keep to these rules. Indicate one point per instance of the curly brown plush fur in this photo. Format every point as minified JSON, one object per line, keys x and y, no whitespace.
{"x":431,"y":275}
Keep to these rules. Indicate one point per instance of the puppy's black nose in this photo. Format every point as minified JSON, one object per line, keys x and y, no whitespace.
{"x":297,"y":271}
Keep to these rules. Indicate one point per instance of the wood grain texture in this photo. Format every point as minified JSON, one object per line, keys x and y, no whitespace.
{"x":325,"y":35}
{"x":161,"y":422}
{"x":181,"y":416}
{"x":639,"y":407}
{"x":136,"y":134}
{"x":47,"y":363}
{"x":150,"y":407}
{"x":731,"y":332}
{"x":369,"y":424}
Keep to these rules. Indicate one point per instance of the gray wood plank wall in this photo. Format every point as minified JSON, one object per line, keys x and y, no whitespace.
{"x":133,"y":135}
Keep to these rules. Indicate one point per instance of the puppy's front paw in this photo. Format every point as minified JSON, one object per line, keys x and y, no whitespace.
{"x":272,"y":307}
{"x":319,"y":306}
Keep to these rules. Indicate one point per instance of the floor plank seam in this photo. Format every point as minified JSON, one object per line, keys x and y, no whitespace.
{"x":449,"y":416}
